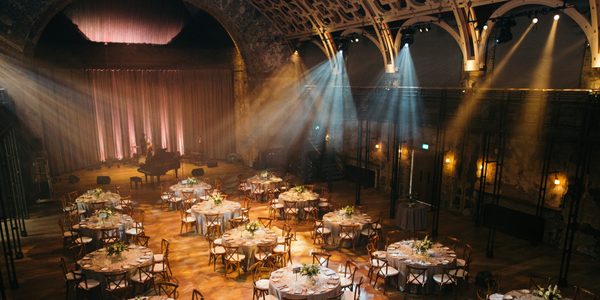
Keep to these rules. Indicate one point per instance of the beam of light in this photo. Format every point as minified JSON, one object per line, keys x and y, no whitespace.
{"x":469,"y":103}
{"x":285,"y":111}
{"x":535,"y":103}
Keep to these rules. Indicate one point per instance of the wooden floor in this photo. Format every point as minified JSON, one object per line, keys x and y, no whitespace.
{"x":40,"y":276}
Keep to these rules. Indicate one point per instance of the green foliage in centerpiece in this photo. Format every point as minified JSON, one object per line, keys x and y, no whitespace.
{"x":104,"y":213}
{"x":299,"y":189}
{"x":97,"y":192}
{"x":191,"y":181}
{"x":252,"y":227}
{"x":309,"y":270}
{"x":550,"y":293}
{"x":348,"y":210}
{"x":216,"y":198}
{"x":116,"y":249}
{"x":421,"y":246}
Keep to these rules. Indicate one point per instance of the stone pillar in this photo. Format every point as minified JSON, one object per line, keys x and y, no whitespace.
{"x":241,"y":106}
{"x":472,"y":79}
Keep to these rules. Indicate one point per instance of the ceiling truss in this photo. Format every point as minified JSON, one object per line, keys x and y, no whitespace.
{"x":306,"y":19}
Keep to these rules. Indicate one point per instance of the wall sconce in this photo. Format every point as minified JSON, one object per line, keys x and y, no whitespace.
{"x":448,"y":160}
{"x":556,"y":180}
{"x":377,"y":146}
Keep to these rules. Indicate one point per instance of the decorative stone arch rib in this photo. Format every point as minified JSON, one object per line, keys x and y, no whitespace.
{"x":441,"y":24}
{"x":580,"y":20}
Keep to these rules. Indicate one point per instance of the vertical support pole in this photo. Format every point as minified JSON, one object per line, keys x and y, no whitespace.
{"x":358,"y":175}
{"x":439,"y":166}
{"x":395,"y":168}
{"x":583,"y":157}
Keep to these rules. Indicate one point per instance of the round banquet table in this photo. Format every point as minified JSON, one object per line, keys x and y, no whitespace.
{"x":248,"y":242}
{"x":284,"y":283}
{"x":334,"y":219}
{"x":109,"y":199}
{"x":262,"y":181}
{"x":93,"y":225}
{"x":401,"y":254}
{"x":199,"y":188}
{"x":98,"y":263}
{"x":229,"y":210}
{"x":301,"y":199}
{"x":523,"y":294}
{"x":151,"y":298}
{"x":412,"y":216}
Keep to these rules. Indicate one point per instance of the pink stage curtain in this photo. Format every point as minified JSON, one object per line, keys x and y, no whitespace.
{"x":130,"y":21}
{"x":95,"y":115}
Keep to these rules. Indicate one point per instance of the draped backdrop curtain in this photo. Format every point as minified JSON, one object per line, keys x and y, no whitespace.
{"x":94,"y":115}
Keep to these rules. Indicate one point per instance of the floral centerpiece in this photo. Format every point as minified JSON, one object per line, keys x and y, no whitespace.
{"x":299,"y":189}
{"x":264,"y":175}
{"x":216,"y":198}
{"x":116,"y":249}
{"x":348,"y":211}
{"x":96,"y":192}
{"x":550,"y":293}
{"x":309,"y":271}
{"x":421,"y":246}
{"x":252,"y":227}
{"x":190,"y":181}
{"x":104,"y":213}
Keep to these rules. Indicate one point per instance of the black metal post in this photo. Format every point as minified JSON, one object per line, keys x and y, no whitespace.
{"x":583,"y":157}
{"x":358,"y":174}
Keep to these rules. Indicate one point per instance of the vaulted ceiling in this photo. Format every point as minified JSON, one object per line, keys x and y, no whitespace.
{"x":301,"y":18}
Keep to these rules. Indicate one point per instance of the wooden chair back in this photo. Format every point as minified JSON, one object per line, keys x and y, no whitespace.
{"x":321,"y":258}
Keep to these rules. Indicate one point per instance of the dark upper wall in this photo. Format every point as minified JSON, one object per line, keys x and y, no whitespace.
{"x":259,"y":43}
{"x":567,"y":55}
{"x":202,"y":41}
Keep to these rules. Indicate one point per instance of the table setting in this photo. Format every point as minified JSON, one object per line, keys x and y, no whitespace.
{"x":248,"y":237}
{"x":190,"y":184}
{"x":264,"y":178}
{"x":345,"y":216}
{"x":422,"y":253}
{"x":106,"y":219}
{"x":215,"y":205}
{"x":97,"y":196}
{"x":301,"y":195}
{"x":117,"y":257}
{"x":304,"y":282}
{"x":549,"y":293}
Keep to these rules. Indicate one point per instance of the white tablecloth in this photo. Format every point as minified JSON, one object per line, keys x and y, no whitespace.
{"x":301,"y":199}
{"x":199,"y":188}
{"x":401,"y":254}
{"x":229,"y":210}
{"x":334,"y":219}
{"x":248,"y":242}
{"x":412,"y":217}
{"x":93,"y":226}
{"x":284,"y":283}
{"x":109,"y":199}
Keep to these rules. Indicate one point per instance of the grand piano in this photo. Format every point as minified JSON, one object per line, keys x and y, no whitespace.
{"x":160,"y":164}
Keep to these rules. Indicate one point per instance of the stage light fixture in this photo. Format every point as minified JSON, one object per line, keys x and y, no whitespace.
{"x":356,"y":40}
{"x":408,"y":36}
{"x":534,"y":20}
{"x":504,"y":31}
{"x":421,"y":29}
{"x":556,"y":17}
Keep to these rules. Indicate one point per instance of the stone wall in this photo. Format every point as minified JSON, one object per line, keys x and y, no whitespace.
{"x":525,"y":148}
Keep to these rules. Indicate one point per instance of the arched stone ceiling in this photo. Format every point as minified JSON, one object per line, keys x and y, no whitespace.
{"x":262,"y":46}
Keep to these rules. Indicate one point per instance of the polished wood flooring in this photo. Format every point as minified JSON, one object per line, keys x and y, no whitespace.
{"x":40,"y":276}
